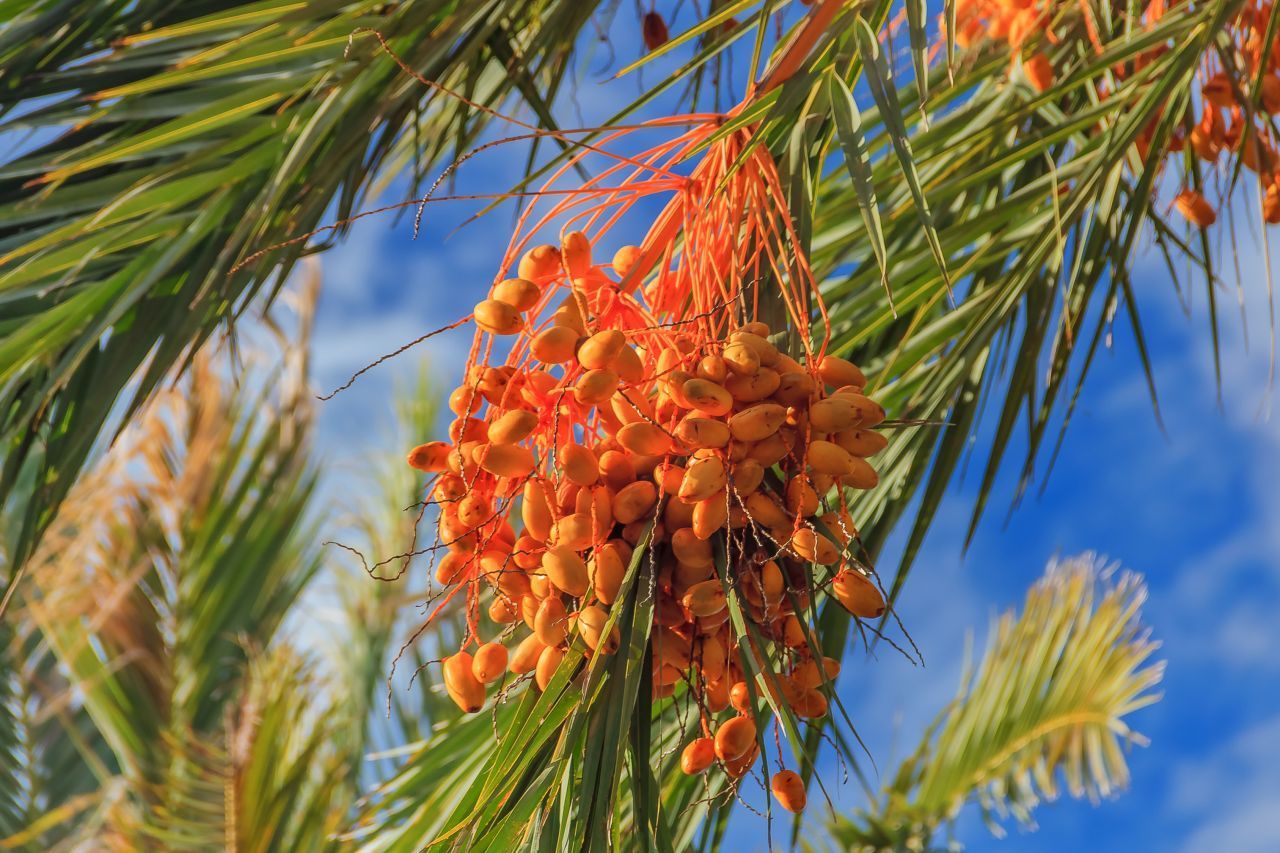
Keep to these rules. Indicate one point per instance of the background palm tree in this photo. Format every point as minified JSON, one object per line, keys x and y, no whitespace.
{"x":156,"y":698}
{"x":185,"y":669}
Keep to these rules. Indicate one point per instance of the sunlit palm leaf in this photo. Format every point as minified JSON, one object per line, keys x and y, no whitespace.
{"x":1045,"y":710}
{"x":168,"y":141}
{"x":1037,"y":209}
{"x":567,"y":753}
{"x":54,"y":767}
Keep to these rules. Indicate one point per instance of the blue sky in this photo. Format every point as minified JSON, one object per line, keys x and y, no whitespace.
{"x":1193,"y":509}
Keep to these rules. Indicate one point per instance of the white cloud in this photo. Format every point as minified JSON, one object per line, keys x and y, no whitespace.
{"x":1234,"y":793}
{"x":1229,"y":588}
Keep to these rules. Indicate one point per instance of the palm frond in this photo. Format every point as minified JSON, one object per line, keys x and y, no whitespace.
{"x":977,"y":190}
{"x":169,"y":141}
{"x":376,"y":599}
{"x":1045,"y":711}
{"x":289,"y":757}
{"x":975,"y":248}
{"x":54,"y":767}
{"x":592,"y":757}
{"x":1037,"y":204}
{"x":1037,"y":207}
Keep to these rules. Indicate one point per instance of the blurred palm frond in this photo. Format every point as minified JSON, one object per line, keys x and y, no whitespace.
{"x":1045,"y":711}
{"x":151,"y":640}
{"x":381,"y":602}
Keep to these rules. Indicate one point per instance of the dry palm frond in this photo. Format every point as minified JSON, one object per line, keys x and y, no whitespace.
{"x":1051,"y":695}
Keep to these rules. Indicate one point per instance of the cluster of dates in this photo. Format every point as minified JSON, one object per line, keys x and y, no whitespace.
{"x":604,"y":439}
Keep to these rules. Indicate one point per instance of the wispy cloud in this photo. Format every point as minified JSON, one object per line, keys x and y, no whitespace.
{"x":1233,"y":792}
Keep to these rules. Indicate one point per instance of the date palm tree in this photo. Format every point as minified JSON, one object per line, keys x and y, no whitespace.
{"x":156,"y":695}
{"x":158,"y":145}
{"x":972,"y":229}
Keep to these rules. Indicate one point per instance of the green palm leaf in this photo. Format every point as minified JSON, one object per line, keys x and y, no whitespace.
{"x":574,"y":763}
{"x":12,"y":789}
{"x":1042,"y":272}
{"x":169,"y":141}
